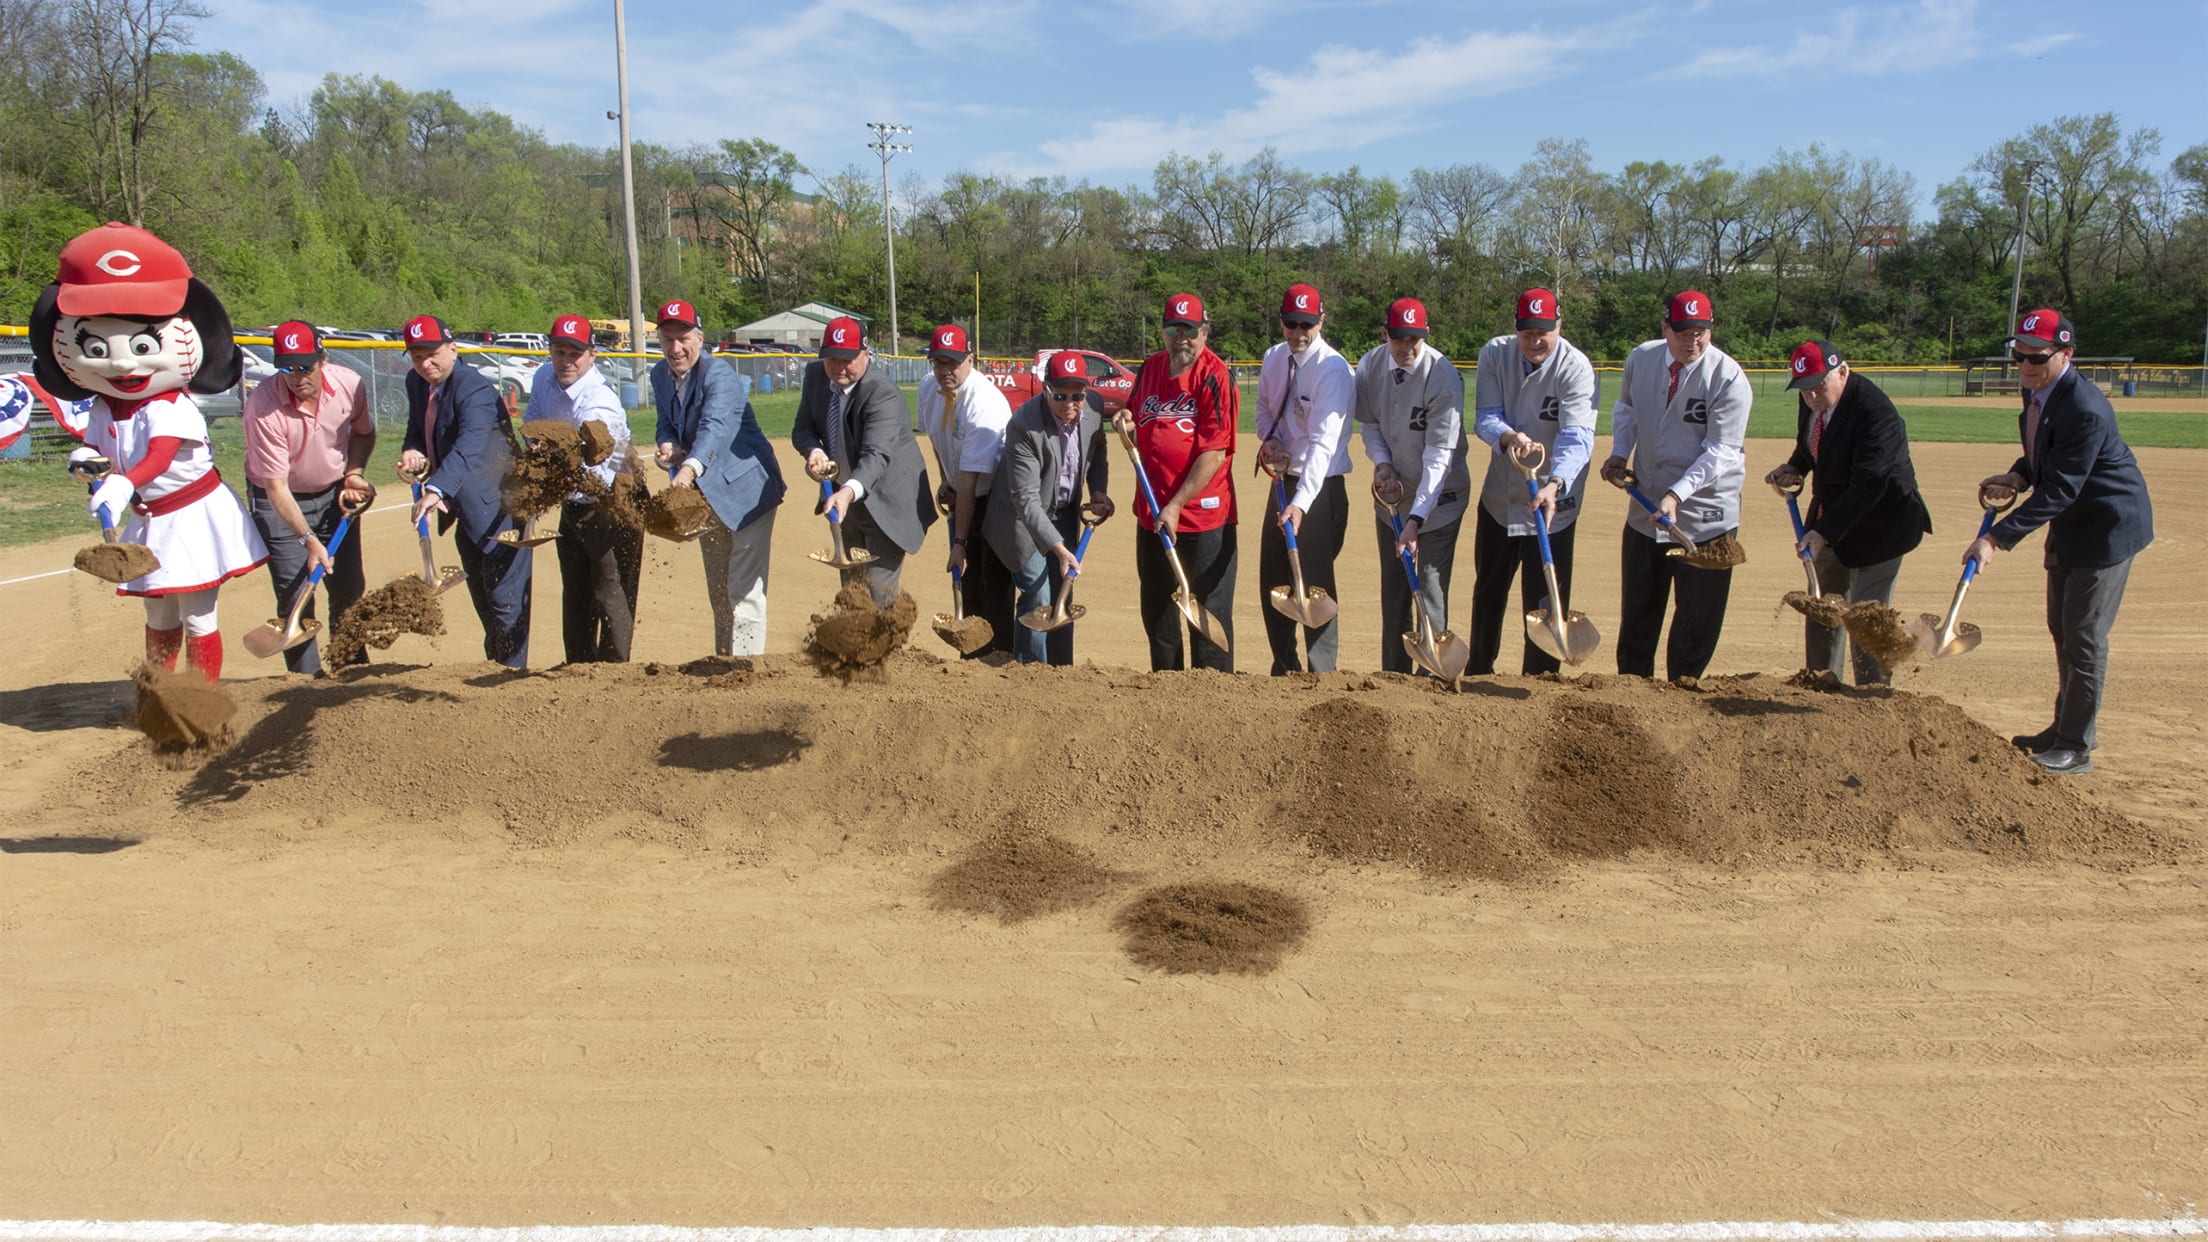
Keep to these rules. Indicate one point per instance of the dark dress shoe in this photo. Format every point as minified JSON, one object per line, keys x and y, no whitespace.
{"x":2033,"y":743}
{"x":2063,"y":761}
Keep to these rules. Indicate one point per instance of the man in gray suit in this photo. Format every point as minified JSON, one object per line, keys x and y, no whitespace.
{"x":709,"y":439}
{"x":1054,"y":443}
{"x":854,"y":428}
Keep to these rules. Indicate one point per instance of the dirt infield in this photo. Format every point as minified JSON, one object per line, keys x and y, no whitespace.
{"x":727,"y":942}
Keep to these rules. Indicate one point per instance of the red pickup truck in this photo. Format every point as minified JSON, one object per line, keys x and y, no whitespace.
{"x":1107,"y":379}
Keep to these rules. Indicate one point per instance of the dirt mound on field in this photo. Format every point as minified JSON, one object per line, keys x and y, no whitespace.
{"x":117,"y":562}
{"x":403,"y":606}
{"x":1169,"y":775}
{"x":1020,"y":873}
{"x":1213,"y":928}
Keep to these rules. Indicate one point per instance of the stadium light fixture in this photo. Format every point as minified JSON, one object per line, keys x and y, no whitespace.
{"x":888,"y":150}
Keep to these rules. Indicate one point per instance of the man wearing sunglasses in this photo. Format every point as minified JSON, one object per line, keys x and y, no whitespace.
{"x":2086,"y":489}
{"x":308,"y":435}
{"x":1183,"y":413}
{"x":1052,"y":449}
{"x":964,"y":414}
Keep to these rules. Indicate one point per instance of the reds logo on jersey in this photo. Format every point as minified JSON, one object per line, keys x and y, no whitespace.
{"x":1549,"y":408}
{"x":1697,"y":411}
{"x":1418,"y":418}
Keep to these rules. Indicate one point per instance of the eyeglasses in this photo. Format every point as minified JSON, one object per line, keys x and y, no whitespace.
{"x":1181,"y":332}
{"x":298,"y":368}
{"x":1295,"y":326}
{"x":2037,"y":360}
{"x":1061,"y":395}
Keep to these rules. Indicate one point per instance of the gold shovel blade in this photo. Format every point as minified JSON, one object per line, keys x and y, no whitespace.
{"x":263,"y":641}
{"x":1045,"y":620}
{"x":513,"y":539}
{"x":1452,"y":655}
{"x":1926,"y":629}
{"x":1201,"y":621}
{"x":852,"y":558}
{"x":1571,"y":643}
{"x":448,"y":577}
{"x":1315,"y":609}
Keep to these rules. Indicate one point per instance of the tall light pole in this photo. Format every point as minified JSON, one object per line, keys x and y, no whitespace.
{"x":628,"y":178}
{"x":2016,"y":287}
{"x":888,"y":150}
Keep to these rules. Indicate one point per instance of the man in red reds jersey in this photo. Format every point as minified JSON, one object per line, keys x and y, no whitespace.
{"x":1184,"y":409}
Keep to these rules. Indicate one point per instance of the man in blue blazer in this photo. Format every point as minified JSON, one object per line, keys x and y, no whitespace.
{"x":709,"y":438}
{"x":2087,"y":491}
{"x":458,"y":444}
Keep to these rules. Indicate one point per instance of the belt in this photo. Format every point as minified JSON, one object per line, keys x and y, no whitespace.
{"x":171,"y":501}
{"x":254,"y":491}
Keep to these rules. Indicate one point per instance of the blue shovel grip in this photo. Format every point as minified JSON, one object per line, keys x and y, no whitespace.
{"x":1410,"y":564}
{"x":1280,"y":492}
{"x":421,"y":524}
{"x":1080,"y":550}
{"x":1634,"y":490}
{"x":1540,"y":522}
{"x":1794,"y":510}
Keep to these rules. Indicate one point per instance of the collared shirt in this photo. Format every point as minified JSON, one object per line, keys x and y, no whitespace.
{"x":306,"y":450}
{"x":590,"y":399}
{"x":1415,"y":425}
{"x":1688,"y":440}
{"x":1069,"y":459}
{"x":1312,"y":420}
{"x":973,"y":440}
{"x":1553,"y":403}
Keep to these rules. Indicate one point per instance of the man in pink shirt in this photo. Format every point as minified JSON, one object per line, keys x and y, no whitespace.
{"x":308,"y":434}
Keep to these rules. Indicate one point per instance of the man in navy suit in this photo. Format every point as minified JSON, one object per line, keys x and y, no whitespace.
{"x":1864,"y":512}
{"x":458,"y":445}
{"x":854,"y":428}
{"x":709,"y":438}
{"x":2087,"y":491}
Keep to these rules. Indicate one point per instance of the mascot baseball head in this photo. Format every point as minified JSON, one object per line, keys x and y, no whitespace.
{"x":125,"y":319}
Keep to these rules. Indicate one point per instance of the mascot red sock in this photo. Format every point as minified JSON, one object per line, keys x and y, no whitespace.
{"x":162,"y":646}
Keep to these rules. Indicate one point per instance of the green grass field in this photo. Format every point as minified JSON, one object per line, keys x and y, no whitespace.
{"x":39,"y":501}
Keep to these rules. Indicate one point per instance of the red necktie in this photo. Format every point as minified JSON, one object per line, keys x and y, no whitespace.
{"x":1817,"y":434}
{"x":2031,"y":430}
{"x":1672,"y":391}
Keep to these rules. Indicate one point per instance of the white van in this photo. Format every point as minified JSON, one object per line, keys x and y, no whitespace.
{"x":522,"y":340}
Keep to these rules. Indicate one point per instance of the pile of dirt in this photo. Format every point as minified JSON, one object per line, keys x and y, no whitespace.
{"x":677,"y":513}
{"x":181,"y":713}
{"x":1353,"y":787}
{"x":117,"y":562}
{"x":854,"y":638}
{"x":1213,"y":928}
{"x":1880,"y":633}
{"x":1020,"y":873}
{"x":1830,"y":611}
{"x":404,"y":606}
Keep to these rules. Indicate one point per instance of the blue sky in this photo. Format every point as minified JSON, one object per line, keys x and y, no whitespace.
{"x":1102,"y":89}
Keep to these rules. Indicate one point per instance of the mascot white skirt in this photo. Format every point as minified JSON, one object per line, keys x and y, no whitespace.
{"x":126,"y":324}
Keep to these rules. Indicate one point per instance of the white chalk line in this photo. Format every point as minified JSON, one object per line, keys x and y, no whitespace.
{"x":56,"y":573}
{"x":1690,"y":1231}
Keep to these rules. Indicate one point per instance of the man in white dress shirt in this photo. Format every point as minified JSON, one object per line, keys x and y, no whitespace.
{"x":964,"y":414}
{"x":1306,"y":396}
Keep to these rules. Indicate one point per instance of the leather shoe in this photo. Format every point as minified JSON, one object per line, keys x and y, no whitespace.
{"x":2063,"y":761}
{"x":2033,"y":743}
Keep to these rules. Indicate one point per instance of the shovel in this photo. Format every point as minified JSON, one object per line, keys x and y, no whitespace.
{"x":1939,"y":639}
{"x":439,"y":580}
{"x":839,"y":556}
{"x":967,"y":634}
{"x":1313,"y":607}
{"x":1445,"y":656}
{"x":263,"y":641}
{"x":132,"y":560}
{"x":526,"y":536}
{"x":1815,"y":604}
{"x":1065,"y":612}
{"x":1199,"y":618}
{"x":1566,"y":635}
{"x":1711,"y":557}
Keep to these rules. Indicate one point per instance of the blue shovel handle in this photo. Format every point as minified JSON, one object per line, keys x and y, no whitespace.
{"x":1280,"y":493}
{"x":1634,"y":490}
{"x":337,"y":540}
{"x":950,"y":525}
{"x":1794,"y":510}
{"x":1150,"y":498}
{"x":1985,"y":527}
{"x":421,"y":524}
{"x":1410,"y":564}
{"x":827,"y":490}
{"x":107,"y":521}
{"x":1080,"y":550}
{"x":1540,"y":520}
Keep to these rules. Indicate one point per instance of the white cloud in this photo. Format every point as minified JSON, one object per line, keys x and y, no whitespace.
{"x":1916,"y":38}
{"x":1342,"y":97}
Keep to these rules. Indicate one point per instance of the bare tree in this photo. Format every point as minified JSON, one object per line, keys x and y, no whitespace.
{"x":1450,"y":208}
{"x":122,"y":70}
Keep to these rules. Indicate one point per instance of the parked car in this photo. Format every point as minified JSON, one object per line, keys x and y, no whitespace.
{"x":522,"y":340}
{"x":1110,"y":381}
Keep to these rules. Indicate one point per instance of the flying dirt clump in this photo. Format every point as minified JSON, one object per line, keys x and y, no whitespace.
{"x":553,"y":466}
{"x":1830,"y":611}
{"x":117,"y":562}
{"x":1880,"y":633}
{"x":181,"y":713}
{"x":1723,"y":552}
{"x":405,"y":606}
{"x":1213,"y":928}
{"x":854,"y":637}
{"x":678,"y":513}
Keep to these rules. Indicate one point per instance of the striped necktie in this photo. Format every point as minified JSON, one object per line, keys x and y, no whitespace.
{"x":835,"y":426}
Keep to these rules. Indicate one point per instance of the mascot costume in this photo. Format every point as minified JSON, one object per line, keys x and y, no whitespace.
{"x":127,"y":325}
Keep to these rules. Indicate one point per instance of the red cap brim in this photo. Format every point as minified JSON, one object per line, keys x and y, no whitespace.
{"x":153,"y":297}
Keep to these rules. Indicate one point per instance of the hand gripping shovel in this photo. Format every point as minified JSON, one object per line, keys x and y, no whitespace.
{"x":1313,"y":607}
{"x":1829,"y":611}
{"x":1566,"y":635}
{"x":967,"y":634}
{"x":1065,"y":612}
{"x":110,"y":560}
{"x":1717,"y":554}
{"x":1939,"y":639}
{"x":838,"y":555}
{"x":1445,"y":656}
{"x":439,"y":580}
{"x":263,"y":641}
{"x":1199,"y":618}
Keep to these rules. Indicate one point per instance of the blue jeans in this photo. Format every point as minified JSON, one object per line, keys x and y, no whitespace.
{"x":1038,"y":583}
